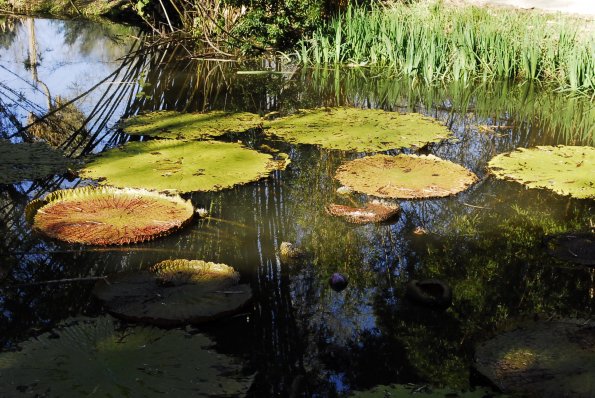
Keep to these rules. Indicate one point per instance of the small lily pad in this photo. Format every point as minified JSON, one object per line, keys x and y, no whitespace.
{"x":374,"y":211}
{"x":576,"y":247}
{"x":108,"y":216}
{"x":359,"y":130}
{"x":566,"y":170}
{"x":405,"y":176}
{"x":175,"y":292}
{"x":542,"y":358}
{"x":30,"y":161}
{"x":173,"y":165}
{"x":171,"y":124}
{"x":85,"y":357}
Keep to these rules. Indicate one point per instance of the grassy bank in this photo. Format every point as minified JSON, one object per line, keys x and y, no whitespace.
{"x":437,"y":42}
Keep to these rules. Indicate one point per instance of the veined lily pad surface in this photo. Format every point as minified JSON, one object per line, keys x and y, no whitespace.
{"x":542,"y":359}
{"x":29,"y":161}
{"x":405,"y":176}
{"x":374,"y":211}
{"x":171,"y":124}
{"x":175,"y":292}
{"x":86,"y":357}
{"x":359,"y":130}
{"x":173,"y":165}
{"x":108,"y":216}
{"x":566,"y":170}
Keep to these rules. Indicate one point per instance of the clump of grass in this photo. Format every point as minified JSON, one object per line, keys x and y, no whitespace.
{"x":439,"y":42}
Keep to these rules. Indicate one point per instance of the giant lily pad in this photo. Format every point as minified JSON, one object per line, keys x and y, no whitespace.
{"x":405,"y":176}
{"x":170,"y":124}
{"x":542,"y":359}
{"x":29,"y":161}
{"x":360,"y":130}
{"x":108,"y":216}
{"x":86,"y":357}
{"x":566,"y":170}
{"x":175,"y":292}
{"x":374,"y":211}
{"x":172,"y":165}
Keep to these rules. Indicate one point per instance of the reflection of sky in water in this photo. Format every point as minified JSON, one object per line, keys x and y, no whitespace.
{"x":72,"y":57}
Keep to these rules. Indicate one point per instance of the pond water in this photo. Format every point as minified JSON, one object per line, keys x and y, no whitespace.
{"x":487,"y":243}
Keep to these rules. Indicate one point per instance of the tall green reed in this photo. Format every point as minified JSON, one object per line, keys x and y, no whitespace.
{"x":439,"y":42}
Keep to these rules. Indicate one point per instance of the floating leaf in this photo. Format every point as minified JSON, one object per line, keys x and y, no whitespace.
{"x":542,"y":358}
{"x":360,"y":130}
{"x":405,"y":176}
{"x":170,"y":124}
{"x":172,"y":165}
{"x":86,"y":357}
{"x":29,"y":161}
{"x":374,"y":211}
{"x":566,"y":170}
{"x":108,"y":216}
{"x":576,"y":247}
{"x":175,"y":292}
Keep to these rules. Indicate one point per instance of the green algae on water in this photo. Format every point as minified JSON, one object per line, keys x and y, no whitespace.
{"x":565,"y":170}
{"x":359,"y":130}
{"x":171,"y":124}
{"x":181,"y":166}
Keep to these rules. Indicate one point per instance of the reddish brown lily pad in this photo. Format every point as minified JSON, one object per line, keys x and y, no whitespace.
{"x":108,"y":216}
{"x":374,"y":211}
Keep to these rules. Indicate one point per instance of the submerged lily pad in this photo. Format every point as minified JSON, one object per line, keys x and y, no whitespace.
{"x":171,"y":124}
{"x":86,"y":357}
{"x":576,"y":247}
{"x":29,"y":161}
{"x":108,"y":216}
{"x":172,"y":165}
{"x":405,"y":176}
{"x":566,"y":170}
{"x":360,"y":130}
{"x":175,"y":292}
{"x":542,"y":359}
{"x":374,"y":211}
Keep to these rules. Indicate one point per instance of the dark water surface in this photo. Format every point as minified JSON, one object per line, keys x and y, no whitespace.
{"x":487,"y":242}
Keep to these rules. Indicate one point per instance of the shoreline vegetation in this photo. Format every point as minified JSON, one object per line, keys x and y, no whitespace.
{"x":431,"y":41}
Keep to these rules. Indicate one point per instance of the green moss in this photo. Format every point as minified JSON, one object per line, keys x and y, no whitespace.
{"x":566,"y":170}
{"x":405,"y":176}
{"x":360,"y":130}
{"x":171,"y":124}
{"x":171,"y":165}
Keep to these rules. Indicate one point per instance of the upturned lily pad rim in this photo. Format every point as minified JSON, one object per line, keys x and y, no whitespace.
{"x":92,"y":192}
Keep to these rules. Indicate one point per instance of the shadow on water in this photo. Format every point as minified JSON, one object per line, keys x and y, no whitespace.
{"x":301,"y":337}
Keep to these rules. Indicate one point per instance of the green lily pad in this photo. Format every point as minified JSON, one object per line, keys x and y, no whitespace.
{"x":30,"y":161}
{"x":542,"y":358}
{"x":172,"y":165}
{"x":171,"y":124}
{"x":405,"y":176}
{"x":400,"y":390}
{"x":566,"y":170}
{"x":374,"y":211}
{"x":86,"y":357}
{"x":175,"y":292}
{"x":108,"y":216}
{"x":360,"y":130}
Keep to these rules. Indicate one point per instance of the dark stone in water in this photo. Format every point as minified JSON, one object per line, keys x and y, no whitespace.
{"x":431,"y":293}
{"x":338,"y":282}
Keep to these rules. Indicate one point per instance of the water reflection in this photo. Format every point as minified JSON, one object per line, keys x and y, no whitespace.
{"x":300,"y":335}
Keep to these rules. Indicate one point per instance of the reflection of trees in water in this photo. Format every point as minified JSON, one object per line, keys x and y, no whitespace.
{"x":8,"y":30}
{"x":105,"y":37}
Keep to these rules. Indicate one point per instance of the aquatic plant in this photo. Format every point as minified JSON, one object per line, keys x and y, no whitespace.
{"x":423,"y":391}
{"x":438,"y":42}
{"x":175,"y":292}
{"x":574,"y":247}
{"x":355,"y":129}
{"x":173,"y":165}
{"x":375,"y":211}
{"x":541,"y":358}
{"x":108,"y":216}
{"x":405,"y":176}
{"x":30,"y":161}
{"x":176,"y":125}
{"x":432,"y":293}
{"x":566,"y":170}
{"x":84,"y":357}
